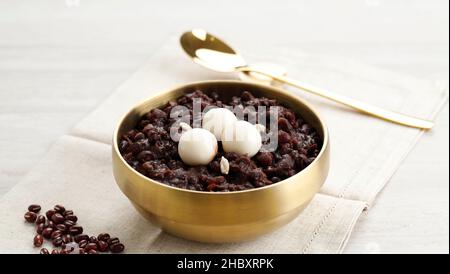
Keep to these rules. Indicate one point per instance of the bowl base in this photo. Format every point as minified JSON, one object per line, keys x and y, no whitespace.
{"x":220,"y":234}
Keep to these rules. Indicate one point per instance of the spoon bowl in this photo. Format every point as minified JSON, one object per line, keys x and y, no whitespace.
{"x":211,"y":52}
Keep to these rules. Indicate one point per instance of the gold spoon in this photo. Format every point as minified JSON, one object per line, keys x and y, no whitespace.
{"x":209,"y":51}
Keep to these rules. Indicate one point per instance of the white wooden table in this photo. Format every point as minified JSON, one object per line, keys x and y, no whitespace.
{"x":60,"y":58}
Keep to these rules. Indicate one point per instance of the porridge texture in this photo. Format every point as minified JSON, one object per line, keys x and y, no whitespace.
{"x":149,"y":148}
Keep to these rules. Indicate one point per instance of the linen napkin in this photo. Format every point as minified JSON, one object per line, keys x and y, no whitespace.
{"x":365,"y":152}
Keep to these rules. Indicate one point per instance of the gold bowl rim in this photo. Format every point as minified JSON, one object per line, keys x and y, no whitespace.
{"x":197,"y":192}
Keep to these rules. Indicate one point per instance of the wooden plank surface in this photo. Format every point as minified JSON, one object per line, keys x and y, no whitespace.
{"x":60,"y":58}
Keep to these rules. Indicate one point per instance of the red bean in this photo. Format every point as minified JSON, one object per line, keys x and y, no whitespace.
{"x":40,"y":219}
{"x":44,"y":251}
{"x":56,"y":234}
{"x":40,"y":228}
{"x":34,"y":208}
{"x":71,"y":217}
{"x":91,"y":246}
{"x":69,"y":223}
{"x":61,"y":227}
{"x":83,"y":243}
{"x":117,"y":248}
{"x":57,"y":241}
{"x":47,"y":232}
{"x":67,"y":238}
{"x":78,"y":238}
{"x":68,"y":212}
{"x":102,"y":246}
{"x":103,"y":237}
{"x":93,"y":239}
{"x":58,"y":218}
{"x":50,"y":213}
{"x":38,"y":240}
{"x":59,"y":208}
{"x":75,"y":230}
{"x":113,"y":241}
{"x":30,"y":217}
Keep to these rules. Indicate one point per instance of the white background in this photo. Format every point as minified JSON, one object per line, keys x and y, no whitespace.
{"x":60,"y":58}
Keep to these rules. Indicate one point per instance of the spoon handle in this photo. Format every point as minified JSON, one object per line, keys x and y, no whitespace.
{"x":378,"y":112}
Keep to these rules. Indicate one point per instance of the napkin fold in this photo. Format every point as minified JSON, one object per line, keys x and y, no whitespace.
{"x":365,"y":153}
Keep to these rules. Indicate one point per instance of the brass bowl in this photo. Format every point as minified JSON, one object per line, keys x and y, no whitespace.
{"x":219,"y":217}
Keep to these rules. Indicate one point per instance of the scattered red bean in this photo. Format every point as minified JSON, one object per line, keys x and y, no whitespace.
{"x":51,"y":224}
{"x":93,"y":239}
{"x":47,"y":232}
{"x":30,"y":217}
{"x":40,"y":228}
{"x":34,"y":208}
{"x":103,"y":237}
{"x":57,"y":241}
{"x":75,"y":230}
{"x":68,"y":212}
{"x":67,"y":238}
{"x":117,"y":248}
{"x":71,"y":217}
{"x":38,"y":240}
{"x":40,"y":219}
{"x":83,"y":243}
{"x":44,"y":251}
{"x":69,"y":223}
{"x":102,"y":246}
{"x":113,"y":241}
{"x":58,"y":218}
{"x":59,"y":226}
{"x":78,"y":238}
{"x":56,"y":234}
{"x":59,"y":208}
{"x":50,"y":213}
{"x":91,"y":246}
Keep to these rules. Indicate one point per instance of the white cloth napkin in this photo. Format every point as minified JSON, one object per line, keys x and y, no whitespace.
{"x":365,"y":152}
